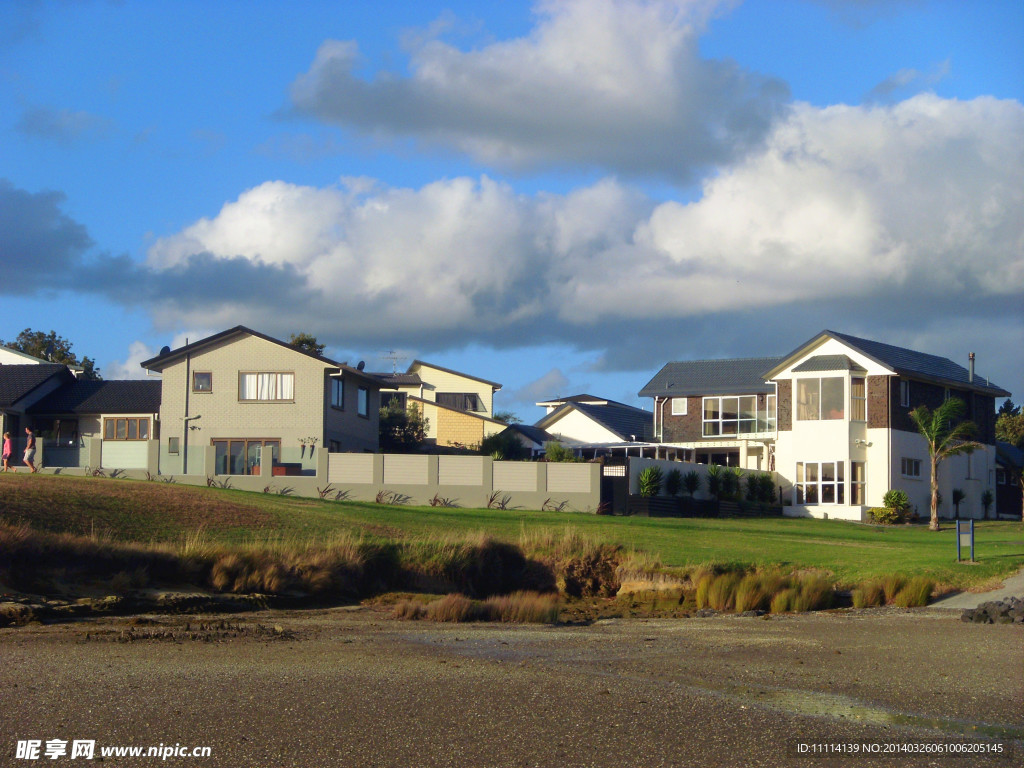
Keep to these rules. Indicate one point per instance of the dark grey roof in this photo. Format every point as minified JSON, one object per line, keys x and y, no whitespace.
{"x":1008,"y":454}
{"x":17,"y":381}
{"x":536,"y":434}
{"x":398,"y":379}
{"x":735,"y":376}
{"x":624,"y":420}
{"x":164,"y":359}
{"x":83,"y":396}
{"x":583,"y":398}
{"x":907,"y":362}
{"x":827,"y":363}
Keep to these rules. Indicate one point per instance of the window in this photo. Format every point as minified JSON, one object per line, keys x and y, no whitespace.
{"x":730,"y":415}
{"x":678,"y":406}
{"x":202,"y":381}
{"x":126,"y":429}
{"x":266,"y":387}
{"x":858,"y":478}
{"x":172,"y":445}
{"x":904,"y":393}
{"x":819,"y":483}
{"x":462,"y":401}
{"x":910,"y":467}
{"x":338,"y":393}
{"x":364,"y":402}
{"x":334,"y":446}
{"x":769,"y":414}
{"x":243,"y":456}
{"x":1001,"y":476}
{"x":819,"y":399}
{"x":858,"y":399}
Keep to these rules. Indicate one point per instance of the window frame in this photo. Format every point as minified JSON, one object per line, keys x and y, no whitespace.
{"x":859,"y":400}
{"x":198,"y":390}
{"x":277,"y":386}
{"x":910,"y":468}
{"x":721,"y":419}
{"x":363,"y":403}
{"x":685,"y":406}
{"x":465,"y":396}
{"x":904,"y":393}
{"x":858,"y":488}
{"x":836,"y":486}
{"x":112,"y":425}
{"x":337,"y":383}
{"x":817,"y":399}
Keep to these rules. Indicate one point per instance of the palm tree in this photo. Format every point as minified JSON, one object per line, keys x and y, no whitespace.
{"x":946,"y":435}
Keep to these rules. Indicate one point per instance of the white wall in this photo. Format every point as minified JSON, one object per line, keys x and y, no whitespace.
{"x":577,"y":427}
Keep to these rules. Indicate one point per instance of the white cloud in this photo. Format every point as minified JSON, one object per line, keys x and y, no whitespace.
{"x":129,"y":368}
{"x":597,"y":83}
{"x":895,"y":213}
{"x":552,"y":384}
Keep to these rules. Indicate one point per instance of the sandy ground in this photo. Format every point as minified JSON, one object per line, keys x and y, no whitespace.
{"x":346,"y":687}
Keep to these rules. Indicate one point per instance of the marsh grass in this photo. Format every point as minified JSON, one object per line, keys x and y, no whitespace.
{"x":868,"y":595}
{"x":519,"y":607}
{"x":916,"y":592}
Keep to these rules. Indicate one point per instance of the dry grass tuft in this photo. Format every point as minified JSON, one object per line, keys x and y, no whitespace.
{"x":868,"y":595}
{"x":891,"y":585}
{"x":916,"y":592}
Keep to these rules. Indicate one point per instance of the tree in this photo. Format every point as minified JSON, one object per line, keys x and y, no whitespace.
{"x":1010,"y":429}
{"x":947,"y":435}
{"x":1008,"y":407}
{"x":307,"y":343}
{"x":402,"y":430}
{"x":504,"y":446}
{"x":56,"y":349}
{"x":507,"y":417}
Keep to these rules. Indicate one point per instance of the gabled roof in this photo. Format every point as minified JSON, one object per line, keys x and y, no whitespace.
{"x":414,"y":363}
{"x":625,"y":421}
{"x":19,"y":381}
{"x":827,"y":363}
{"x":34,"y":359}
{"x":731,"y":376}
{"x":556,"y":401}
{"x":163,"y":360}
{"x":901,"y":361}
{"x":398,"y":379}
{"x":81,"y":396}
{"x":536,"y":434}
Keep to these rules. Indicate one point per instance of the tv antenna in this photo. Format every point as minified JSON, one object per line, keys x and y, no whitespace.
{"x":394,"y":357}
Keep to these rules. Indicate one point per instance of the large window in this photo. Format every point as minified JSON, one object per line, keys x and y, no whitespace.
{"x":461,"y":401}
{"x":820,"y":482}
{"x":266,"y":387}
{"x":126,"y":429}
{"x":337,"y":393}
{"x":242,"y":456}
{"x":387,"y":398}
{"x":819,"y":399}
{"x":858,"y":399}
{"x":737,"y":415}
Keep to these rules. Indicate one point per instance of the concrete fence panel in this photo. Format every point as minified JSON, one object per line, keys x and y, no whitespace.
{"x":515,"y":476}
{"x":350,"y":468}
{"x":406,"y":470}
{"x":569,"y":478}
{"x":460,"y":470}
{"x":125,"y":454}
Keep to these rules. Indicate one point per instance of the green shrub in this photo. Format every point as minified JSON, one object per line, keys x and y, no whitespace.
{"x":886,"y":515}
{"x":753,"y":487}
{"x":715,"y":473}
{"x":896,"y":499}
{"x":915,"y":593}
{"x":650,"y":481}
{"x":722,"y":592}
{"x":673,"y":482}
{"x":868,"y":595}
{"x":559,"y":453}
{"x":765,"y":488}
{"x":784,"y":600}
{"x":691,"y":482}
{"x":891,"y":585}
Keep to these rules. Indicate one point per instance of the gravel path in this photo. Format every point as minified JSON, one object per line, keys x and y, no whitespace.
{"x":348,"y":687}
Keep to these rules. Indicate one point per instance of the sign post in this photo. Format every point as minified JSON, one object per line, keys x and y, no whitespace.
{"x":964,"y":538}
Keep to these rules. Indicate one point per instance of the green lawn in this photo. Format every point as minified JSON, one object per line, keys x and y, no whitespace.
{"x":144,"y":511}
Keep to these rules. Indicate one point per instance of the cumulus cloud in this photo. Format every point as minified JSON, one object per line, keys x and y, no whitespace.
{"x":893,"y":212}
{"x":552,"y":384}
{"x":597,"y":83}
{"x":907,"y":79}
{"x":129,"y":368}
{"x":63,"y":126}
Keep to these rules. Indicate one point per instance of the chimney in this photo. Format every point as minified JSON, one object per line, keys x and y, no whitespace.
{"x":970,"y":367}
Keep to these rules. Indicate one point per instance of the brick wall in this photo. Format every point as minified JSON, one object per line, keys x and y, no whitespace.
{"x":785,"y":404}
{"x":879,"y":396}
{"x":979,"y":408}
{"x":454,"y":427}
{"x":678,"y":429}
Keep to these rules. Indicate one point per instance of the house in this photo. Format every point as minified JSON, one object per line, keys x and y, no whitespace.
{"x":593,"y":425}
{"x":10,"y":356}
{"x":459,"y":407}
{"x":831,"y":419}
{"x":1009,"y":488}
{"x":22,"y":385}
{"x":239,"y":393}
{"x":99,"y":423}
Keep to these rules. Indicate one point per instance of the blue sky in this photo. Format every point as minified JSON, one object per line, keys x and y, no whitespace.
{"x":560,"y":196}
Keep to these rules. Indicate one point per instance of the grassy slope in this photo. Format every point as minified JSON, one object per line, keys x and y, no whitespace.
{"x":144,"y":511}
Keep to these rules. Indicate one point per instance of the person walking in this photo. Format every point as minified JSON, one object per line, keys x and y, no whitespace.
{"x":30,"y":449}
{"x":8,"y":450}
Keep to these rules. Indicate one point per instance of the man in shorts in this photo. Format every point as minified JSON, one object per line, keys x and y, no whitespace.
{"x":30,"y":449}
